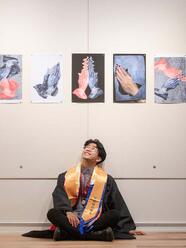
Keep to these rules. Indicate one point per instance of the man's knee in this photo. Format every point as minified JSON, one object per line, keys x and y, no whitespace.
{"x":51,"y":213}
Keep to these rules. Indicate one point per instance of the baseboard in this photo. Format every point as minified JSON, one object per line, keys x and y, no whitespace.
{"x":22,"y":227}
{"x":162,"y":226}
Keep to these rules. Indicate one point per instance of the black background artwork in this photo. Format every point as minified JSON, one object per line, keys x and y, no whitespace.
{"x":77,"y":60}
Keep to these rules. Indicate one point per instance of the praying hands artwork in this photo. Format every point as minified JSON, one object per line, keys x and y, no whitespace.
{"x":129,"y":78}
{"x":10,"y":78}
{"x":170,"y":79}
{"x":46,"y":78}
{"x":49,"y":87}
{"x":87,"y":77}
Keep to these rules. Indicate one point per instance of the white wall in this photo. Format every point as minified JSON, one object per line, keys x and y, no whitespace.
{"x":47,"y":138}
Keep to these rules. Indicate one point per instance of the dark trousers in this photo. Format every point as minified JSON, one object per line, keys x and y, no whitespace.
{"x":59,"y":218}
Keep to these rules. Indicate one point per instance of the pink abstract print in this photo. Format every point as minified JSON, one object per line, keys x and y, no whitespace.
{"x":169,"y":70}
{"x":8,"y":88}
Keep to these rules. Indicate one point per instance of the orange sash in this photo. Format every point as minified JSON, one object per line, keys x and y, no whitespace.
{"x":93,"y":206}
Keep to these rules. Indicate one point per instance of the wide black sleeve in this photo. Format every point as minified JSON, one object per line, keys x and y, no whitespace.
{"x":116,"y":201}
{"x":60,"y":198}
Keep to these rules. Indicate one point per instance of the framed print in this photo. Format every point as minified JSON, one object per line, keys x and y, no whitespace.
{"x":87,"y":77}
{"x":46,"y":78}
{"x":170,"y":79}
{"x":10,"y":78}
{"x":129,"y":77}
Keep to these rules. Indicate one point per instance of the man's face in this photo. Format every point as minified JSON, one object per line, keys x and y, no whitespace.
{"x":90,"y":152}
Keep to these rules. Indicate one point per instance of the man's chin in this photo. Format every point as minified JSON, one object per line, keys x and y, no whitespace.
{"x":86,"y":157}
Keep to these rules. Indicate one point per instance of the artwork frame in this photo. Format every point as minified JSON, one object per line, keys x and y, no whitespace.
{"x":88,"y":79}
{"x":10,"y":78}
{"x":46,"y":78}
{"x":126,"y":67}
{"x":169,"y":79}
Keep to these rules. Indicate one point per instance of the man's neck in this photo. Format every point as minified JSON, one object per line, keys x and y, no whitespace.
{"x":87,"y":164}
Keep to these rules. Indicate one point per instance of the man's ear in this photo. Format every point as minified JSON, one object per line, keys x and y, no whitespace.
{"x":98,"y":159}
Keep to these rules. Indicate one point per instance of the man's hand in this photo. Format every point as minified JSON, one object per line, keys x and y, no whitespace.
{"x":73,"y":219}
{"x":137,"y":232}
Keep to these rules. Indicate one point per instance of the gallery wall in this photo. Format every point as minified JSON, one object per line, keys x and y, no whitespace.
{"x":145,"y":142}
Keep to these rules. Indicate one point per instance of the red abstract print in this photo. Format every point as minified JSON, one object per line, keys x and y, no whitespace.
{"x":168,"y":70}
{"x":8,"y":88}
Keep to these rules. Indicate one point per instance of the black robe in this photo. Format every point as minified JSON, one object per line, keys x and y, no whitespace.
{"x":112,"y":199}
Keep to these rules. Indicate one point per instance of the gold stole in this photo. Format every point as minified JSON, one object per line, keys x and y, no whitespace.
{"x":72,"y":185}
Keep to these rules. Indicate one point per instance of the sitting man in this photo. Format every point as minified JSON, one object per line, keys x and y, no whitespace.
{"x":87,"y":203}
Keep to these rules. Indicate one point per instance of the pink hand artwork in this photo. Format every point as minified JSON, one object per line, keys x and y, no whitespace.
{"x":175,"y":76}
{"x":82,"y":81}
{"x":8,"y":88}
{"x":168,"y":70}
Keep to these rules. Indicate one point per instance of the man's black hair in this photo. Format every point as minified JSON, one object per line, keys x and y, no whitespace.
{"x":101,"y":150}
